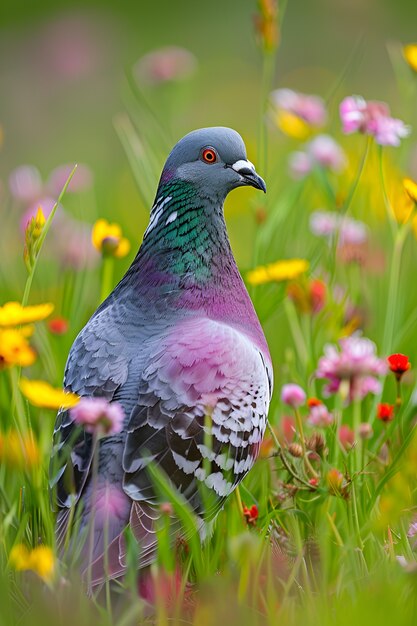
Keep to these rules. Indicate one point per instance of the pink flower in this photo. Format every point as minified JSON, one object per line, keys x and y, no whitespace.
{"x":311,"y":109}
{"x":365,"y":430}
{"x":300,"y":164}
{"x":353,"y":114}
{"x":322,"y":151}
{"x":325,"y":151}
{"x":355,"y":362}
{"x":26,"y":186}
{"x":171,"y":63}
{"x":46,"y":203}
{"x":352,"y":232}
{"x":320,"y":416}
{"x":99,"y":416}
{"x":372,"y":118}
{"x":346,"y":436}
{"x":25,"y":183}
{"x":286,"y":429}
{"x":388,"y":131}
{"x":328,"y":223}
{"x":293,"y":395}
{"x":323,"y":223}
{"x":82,"y":179}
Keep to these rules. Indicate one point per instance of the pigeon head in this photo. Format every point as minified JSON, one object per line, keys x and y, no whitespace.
{"x":214,"y":160}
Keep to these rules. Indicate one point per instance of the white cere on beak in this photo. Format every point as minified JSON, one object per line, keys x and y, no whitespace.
{"x":243,"y":166}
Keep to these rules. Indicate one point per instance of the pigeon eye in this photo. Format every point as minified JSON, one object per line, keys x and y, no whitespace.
{"x":209,"y":156}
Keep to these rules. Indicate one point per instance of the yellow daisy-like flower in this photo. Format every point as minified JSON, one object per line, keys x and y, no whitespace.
{"x":280,"y":271}
{"x":292,"y":125}
{"x":107,"y":238}
{"x":40,"y":560}
{"x":42,"y":394}
{"x":410,"y":55}
{"x":14,"y":314}
{"x":14,"y":347}
{"x":410,"y":188}
{"x":19,"y":451}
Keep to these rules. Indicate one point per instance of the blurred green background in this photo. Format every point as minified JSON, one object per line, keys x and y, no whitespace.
{"x":63,"y":69}
{"x":54,"y":109}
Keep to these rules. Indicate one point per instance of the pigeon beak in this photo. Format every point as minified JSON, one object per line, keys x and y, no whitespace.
{"x":247,"y":171}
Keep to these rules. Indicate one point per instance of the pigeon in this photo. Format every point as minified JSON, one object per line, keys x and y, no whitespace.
{"x":179,"y":346}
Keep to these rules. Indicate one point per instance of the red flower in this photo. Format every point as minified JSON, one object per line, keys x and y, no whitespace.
{"x":58,"y":325}
{"x":314,"y":482}
{"x":385,"y":412}
{"x":317,"y":295}
{"x":251,"y":515}
{"x":399,"y":364}
{"x":313,"y":402}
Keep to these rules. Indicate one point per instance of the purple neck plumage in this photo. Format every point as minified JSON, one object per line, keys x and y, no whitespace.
{"x":185,"y":262}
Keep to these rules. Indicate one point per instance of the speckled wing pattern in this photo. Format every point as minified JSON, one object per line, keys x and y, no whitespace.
{"x":200,"y":414}
{"x":196,"y":394}
{"x":96,"y":366}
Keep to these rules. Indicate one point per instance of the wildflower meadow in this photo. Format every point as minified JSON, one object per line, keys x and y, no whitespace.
{"x":323,"y":529}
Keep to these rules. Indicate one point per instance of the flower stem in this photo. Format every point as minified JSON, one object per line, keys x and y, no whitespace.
{"x":347,"y":203}
{"x":296,"y":331}
{"x":94,"y":485}
{"x":106,"y":277}
{"x":42,"y":237}
{"x":394,"y":279}
{"x":358,"y":440}
{"x":268,"y":66}
{"x":300,"y":429}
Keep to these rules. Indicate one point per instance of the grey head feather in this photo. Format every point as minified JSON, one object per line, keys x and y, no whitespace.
{"x":229,"y":170}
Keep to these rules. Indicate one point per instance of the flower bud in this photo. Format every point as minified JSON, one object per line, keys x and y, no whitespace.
{"x":295,"y":450}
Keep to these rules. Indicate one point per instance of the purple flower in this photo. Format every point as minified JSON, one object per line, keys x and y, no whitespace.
{"x":293,"y":395}
{"x":355,"y":362}
{"x":171,"y":63}
{"x":372,"y":118}
{"x":311,"y":109}
{"x":320,"y":416}
{"x":99,"y":416}
{"x":412,"y":529}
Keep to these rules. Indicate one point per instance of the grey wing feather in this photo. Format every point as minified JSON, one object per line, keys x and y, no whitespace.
{"x":96,"y":366}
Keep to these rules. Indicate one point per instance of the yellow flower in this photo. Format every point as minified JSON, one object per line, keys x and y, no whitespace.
{"x":410,"y":187}
{"x":14,"y":347}
{"x":19,"y":451}
{"x":32,"y":238}
{"x":292,"y":125}
{"x":40,"y":560}
{"x":278,"y":271}
{"x":410,"y":55}
{"x":42,"y":394}
{"x":13,"y":313}
{"x":107,"y":239}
